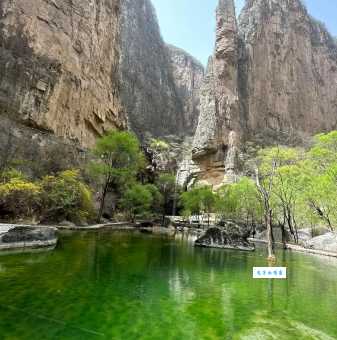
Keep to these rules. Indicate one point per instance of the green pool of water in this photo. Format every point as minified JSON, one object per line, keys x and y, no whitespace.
{"x":127,"y":285}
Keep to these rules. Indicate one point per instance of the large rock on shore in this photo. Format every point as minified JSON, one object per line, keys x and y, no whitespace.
{"x":326,"y":242}
{"x":232,"y":236}
{"x":26,"y":236}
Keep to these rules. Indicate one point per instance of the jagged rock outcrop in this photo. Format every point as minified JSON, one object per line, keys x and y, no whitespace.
{"x":59,"y":66}
{"x":273,"y":78}
{"x":159,"y":83}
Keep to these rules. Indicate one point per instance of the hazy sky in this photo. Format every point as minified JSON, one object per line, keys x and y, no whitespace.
{"x":190,"y":24}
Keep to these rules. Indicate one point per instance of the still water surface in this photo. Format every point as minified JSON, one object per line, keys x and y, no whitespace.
{"x":127,"y":285}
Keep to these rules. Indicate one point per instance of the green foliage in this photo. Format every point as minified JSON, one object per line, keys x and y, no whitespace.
{"x":19,"y":197}
{"x":66,"y":197}
{"x":159,"y":145}
{"x":157,"y":205}
{"x":198,"y":200}
{"x":324,"y":151}
{"x":167,"y":186}
{"x":277,"y":157}
{"x":137,"y":200}
{"x":240,"y":201}
{"x":10,"y":174}
{"x":120,"y":158}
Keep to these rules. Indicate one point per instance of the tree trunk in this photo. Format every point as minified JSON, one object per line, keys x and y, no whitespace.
{"x":284,"y":240}
{"x":271,"y":253}
{"x":101,"y":208}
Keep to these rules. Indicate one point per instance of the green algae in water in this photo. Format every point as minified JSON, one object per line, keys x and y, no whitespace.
{"x":125,"y":285}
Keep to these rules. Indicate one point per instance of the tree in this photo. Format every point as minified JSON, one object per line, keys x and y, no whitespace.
{"x":240,"y":202}
{"x":137,"y":200}
{"x":198,"y":201}
{"x":321,"y":178}
{"x":120,"y":158}
{"x":287,"y":190}
{"x":166,"y":184}
{"x":267,"y":175}
{"x":320,"y":194}
{"x":157,"y":205}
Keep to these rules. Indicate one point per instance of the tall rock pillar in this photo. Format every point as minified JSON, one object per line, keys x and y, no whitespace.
{"x":226,"y":85}
{"x":217,"y":137}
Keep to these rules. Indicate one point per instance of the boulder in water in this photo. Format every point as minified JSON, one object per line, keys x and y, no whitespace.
{"x":231,"y":236}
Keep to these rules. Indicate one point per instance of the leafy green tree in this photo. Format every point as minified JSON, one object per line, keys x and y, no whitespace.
{"x":320,"y":194}
{"x":320,"y":181}
{"x":324,"y":150}
{"x":240,"y":201}
{"x":198,"y":201}
{"x":120,"y":158}
{"x":157,"y":206}
{"x":287,"y":189}
{"x":137,"y":200}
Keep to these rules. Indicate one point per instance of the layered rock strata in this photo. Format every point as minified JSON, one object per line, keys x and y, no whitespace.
{"x":59,"y":66}
{"x":70,"y":71}
{"x":272,"y":79}
{"x":219,"y":127}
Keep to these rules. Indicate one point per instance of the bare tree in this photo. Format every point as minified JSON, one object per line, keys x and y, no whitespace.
{"x":264,"y":187}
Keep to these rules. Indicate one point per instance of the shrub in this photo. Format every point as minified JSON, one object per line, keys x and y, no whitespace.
{"x":66,"y":197}
{"x":19,"y":198}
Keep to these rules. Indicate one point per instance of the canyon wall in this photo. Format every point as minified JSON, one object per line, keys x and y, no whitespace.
{"x":74,"y":70}
{"x":159,"y":83}
{"x":59,"y":66}
{"x":188,"y":74}
{"x":272,"y":79}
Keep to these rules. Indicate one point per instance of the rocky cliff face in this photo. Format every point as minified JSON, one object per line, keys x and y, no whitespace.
{"x":272,"y":78}
{"x":160,"y":83}
{"x":188,"y":75}
{"x":291,"y":69}
{"x":59,"y":66}
{"x":74,"y":70}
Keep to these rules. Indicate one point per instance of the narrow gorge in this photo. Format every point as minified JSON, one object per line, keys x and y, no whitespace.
{"x":72,"y":71}
{"x":147,"y":195}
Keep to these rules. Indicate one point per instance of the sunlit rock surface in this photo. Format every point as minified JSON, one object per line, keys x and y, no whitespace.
{"x":59,"y":66}
{"x":272,"y":79}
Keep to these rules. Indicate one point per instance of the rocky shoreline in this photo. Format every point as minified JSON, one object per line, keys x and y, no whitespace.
{"x":16,"y":237}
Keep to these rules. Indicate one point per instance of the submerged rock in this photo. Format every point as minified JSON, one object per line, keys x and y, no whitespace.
{"x":232,"y":236}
